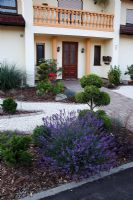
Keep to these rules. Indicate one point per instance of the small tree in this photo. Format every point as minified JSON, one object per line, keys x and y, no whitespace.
{"x":92,"y":94}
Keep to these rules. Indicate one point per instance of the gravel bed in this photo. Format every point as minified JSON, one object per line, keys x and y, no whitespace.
{"x":28,"y":123}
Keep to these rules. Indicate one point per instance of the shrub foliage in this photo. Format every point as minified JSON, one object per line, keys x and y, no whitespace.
{"x":91,"y":79}
{"x":9,"y":106}
{"x":114,"y":75}
{"x":129,"y":71}
{"x":78,"y":146}
{"x":14,"y":149}
{"x":92,"y":94}
{"x":10,"y":77}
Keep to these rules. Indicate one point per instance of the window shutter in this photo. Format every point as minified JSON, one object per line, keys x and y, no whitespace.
{"x":129,"y":16}
{"x":71,"y":4}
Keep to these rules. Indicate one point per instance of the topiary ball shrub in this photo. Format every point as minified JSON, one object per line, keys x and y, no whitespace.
{"x":93,"y":97}
{"x":91,"y":79}
{"x":77,"y":146}
{"x":9,"y":106}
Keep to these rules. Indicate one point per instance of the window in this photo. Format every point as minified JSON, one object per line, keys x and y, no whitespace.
{"x":97,"y":55}
{"x":129,"y":19}
{"x":71,"y":4}
{"x":8,"y":6}
{"x":40,"y":49}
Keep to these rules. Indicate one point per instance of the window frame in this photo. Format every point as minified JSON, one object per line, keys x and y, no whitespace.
{"x":15,"y":8}
{"x":39,"y":44}
{"x":97,"y":64}
{"x":128,"y":9}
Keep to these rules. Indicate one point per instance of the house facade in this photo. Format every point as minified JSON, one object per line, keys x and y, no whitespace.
{"x":83,"y":36}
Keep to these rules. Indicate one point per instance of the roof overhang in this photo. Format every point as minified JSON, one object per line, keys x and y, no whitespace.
{"x":126,"y":29}
{"x":12,"y":20}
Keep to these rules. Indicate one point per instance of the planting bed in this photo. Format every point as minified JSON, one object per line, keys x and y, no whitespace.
{"x":29,"y":94}
{"x":18,"y":182}
{"x":18,"y":112}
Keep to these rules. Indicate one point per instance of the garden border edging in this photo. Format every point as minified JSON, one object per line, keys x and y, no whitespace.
{"x":73,"y":185}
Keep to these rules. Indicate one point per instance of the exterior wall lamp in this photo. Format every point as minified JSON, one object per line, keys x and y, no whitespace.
{"x":58,"y":49}
{"x":82,"y":50}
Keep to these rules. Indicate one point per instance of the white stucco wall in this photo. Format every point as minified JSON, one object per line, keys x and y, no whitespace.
{"x":126,"y":4}
{"x":105,"y":51}
{"x":49,"y":2}
{"x":125,"y":54}
{"x":89,"y":5}
{"x":12,"y":46}
{"x":19,"y":6}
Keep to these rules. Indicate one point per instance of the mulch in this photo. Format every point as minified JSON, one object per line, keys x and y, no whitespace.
{"x":29,"y":94}
{"x":18,"y":182}
{"x":18,"y":112}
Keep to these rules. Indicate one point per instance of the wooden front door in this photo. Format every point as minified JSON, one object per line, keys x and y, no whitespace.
{"x":70,"y":60}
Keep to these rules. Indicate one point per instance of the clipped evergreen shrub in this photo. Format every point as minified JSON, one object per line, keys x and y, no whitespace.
{"x":9,"y":106}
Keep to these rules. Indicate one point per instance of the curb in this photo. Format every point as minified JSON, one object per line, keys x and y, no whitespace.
{"x":73,"y":185}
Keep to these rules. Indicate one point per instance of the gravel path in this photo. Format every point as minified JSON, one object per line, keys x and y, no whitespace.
{"x":28,"y":123}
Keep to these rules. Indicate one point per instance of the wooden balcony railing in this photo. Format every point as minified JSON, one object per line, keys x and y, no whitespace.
{"x":59,"y":17}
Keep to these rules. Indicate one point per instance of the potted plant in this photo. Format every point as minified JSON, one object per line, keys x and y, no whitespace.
{"x":130,"y":73}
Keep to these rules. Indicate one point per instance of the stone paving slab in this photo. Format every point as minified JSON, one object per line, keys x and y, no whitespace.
{"x":121,"y":108}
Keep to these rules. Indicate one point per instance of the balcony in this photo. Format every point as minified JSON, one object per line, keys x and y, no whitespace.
{"x":75,"y":19}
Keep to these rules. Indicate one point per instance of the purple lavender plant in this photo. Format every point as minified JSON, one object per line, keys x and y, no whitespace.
{"x":77,"y":146}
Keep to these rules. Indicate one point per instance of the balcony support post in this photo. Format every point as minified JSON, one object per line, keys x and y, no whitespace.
{"x":27,"y":11}
{"x":54,"y":48}
{"x":88,"y":50}
{"x":116,"y":39}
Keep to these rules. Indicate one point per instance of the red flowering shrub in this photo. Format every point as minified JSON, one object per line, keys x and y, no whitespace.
{"x":47,"y":70}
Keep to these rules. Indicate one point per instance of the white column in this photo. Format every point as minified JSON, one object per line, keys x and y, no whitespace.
{"x":116,"y":39}
{"x":27,"y":11}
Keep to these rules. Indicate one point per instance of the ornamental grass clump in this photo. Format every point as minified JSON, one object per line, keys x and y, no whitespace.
{"x":10,"y":77}
{"x":77,"y":146}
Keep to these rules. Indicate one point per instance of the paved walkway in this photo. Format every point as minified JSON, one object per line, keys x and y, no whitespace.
{"x":121,"y":107}
{"x":115,"y":187}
